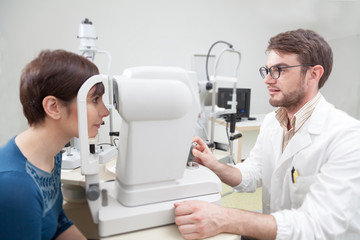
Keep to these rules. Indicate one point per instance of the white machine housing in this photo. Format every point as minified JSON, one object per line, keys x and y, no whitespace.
{"x":154,"y":111}
{"x":159,"y":107}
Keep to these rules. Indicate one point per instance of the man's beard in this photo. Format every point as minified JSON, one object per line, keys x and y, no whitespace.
{"x":292,"y":99}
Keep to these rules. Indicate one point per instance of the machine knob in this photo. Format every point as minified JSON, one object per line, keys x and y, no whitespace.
{"x":190,"y":163}
{"x":209,"y":86}
{"x":93,"y":192}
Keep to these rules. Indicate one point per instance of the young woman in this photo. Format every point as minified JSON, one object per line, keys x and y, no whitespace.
{"x":30,"y":163}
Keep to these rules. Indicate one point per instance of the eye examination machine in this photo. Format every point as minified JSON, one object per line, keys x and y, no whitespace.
{"x":159,"y":108}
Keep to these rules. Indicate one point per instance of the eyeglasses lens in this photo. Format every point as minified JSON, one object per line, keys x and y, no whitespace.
{"x":263,"y":72}
{"x":275,"y":72}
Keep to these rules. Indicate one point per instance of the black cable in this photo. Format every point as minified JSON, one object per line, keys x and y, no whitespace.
{"x":227,"y":133}
{"x":116,"y":139}
{"x":100,"y":144}
{"x":207,"y":61}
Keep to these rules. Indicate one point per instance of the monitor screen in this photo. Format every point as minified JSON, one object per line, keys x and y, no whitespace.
{"x":242,"y":98}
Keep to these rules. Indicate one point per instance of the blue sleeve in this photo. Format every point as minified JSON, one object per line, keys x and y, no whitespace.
{"x":20,"y":207}
{"x":63,"y":223}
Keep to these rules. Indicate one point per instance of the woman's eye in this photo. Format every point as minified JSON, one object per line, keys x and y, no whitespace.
{"x":95,"y":100}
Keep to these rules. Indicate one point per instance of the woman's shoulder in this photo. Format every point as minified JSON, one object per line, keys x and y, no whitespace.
{"x":17,"y":181}
{"x":11,"y":158}
{"x":18,"y":190}
{"x":14,"y":180}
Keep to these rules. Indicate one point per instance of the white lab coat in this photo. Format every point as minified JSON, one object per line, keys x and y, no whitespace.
{"x":324,"y":203}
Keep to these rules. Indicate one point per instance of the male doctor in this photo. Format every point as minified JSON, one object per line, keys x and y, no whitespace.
{"x":306,"y":158}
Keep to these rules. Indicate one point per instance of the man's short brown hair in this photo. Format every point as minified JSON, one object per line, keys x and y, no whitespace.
{"x":310,"y":47}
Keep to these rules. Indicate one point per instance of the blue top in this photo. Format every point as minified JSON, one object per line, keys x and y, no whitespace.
{"x":30,"y":198}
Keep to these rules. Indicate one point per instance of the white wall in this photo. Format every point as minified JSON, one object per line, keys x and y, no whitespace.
{"x":170,"y":32}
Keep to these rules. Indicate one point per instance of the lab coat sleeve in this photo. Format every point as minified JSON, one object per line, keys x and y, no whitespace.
{"x":331,"y":208}
{"x":251,"y":168}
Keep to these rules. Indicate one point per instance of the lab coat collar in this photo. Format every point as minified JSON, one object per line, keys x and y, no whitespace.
{"x":319,"y":116}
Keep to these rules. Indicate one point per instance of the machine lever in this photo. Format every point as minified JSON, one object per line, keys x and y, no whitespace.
{"x":236,"y":136}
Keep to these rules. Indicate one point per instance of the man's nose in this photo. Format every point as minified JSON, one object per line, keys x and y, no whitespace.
{"x":269,"y":79}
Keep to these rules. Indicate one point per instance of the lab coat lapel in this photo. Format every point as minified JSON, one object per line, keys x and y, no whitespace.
{"x":277,"y":141}
{"x":302,"y":138}
{"x":300,"y":141}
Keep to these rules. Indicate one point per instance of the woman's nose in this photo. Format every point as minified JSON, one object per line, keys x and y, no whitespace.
{"x":104,"y":112}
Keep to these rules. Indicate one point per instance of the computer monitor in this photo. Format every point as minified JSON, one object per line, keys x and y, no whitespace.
{"x":242,"y":98}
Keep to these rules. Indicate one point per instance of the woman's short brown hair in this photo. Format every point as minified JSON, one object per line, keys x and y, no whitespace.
{"x":310,"y":47}
{"x":55,"y":73}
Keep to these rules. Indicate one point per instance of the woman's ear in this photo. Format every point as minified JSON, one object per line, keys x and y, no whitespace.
{"x":52,"y":107}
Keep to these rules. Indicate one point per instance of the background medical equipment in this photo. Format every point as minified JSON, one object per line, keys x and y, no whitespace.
{"x":242,"y":98}
{"x":216,"y":111}
{"x":87,"y":36}
{"x":202,"y":123}
{"x":70,"y":158}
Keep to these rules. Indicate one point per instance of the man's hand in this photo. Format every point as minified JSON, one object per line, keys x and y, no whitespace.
{"x":203,"y":154}
{"x":197,"y":219}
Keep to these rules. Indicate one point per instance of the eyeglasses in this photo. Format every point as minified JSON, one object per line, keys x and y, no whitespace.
{"x":275,"y":70}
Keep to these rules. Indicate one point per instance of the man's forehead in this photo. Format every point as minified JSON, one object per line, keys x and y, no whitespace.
{"x":280,"y":58}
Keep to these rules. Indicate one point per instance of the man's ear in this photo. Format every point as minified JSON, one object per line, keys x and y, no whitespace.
{"x":316,"y":73}
{"x":52,"y":107}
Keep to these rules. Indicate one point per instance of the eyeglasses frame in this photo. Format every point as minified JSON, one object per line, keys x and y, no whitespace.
{"x":268,"y":70}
